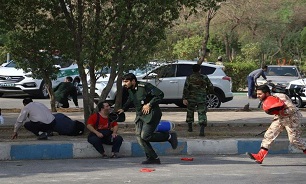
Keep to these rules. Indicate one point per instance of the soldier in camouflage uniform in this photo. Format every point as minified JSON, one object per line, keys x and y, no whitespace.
{"x":288,"y":118}
{"x":196,"y":88}
{"x":146,"y":98}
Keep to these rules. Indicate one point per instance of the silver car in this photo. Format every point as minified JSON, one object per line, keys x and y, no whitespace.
{"x":281,"y":74}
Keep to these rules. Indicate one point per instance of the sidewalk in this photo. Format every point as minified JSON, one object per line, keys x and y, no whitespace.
{"x":76,"y":147}
{"x":230,"y":117}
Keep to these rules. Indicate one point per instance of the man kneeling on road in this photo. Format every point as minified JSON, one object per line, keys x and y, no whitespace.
{"x":41,"y":119}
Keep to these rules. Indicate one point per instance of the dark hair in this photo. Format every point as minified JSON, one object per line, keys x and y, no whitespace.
{"x":264,"y":67}
{"x":77,"y":79}
{"x":26,"y":101}
{"x":264,"y":88}
{"x":101,"y":105}
{"x":69,"y":79}
{"x":130,"y":77}
{"x":196,"y":68}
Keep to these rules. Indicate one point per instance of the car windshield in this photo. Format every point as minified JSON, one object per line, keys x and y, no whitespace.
{"x":282,"y":71}
{"x":142,"y":70}
{"x":11,"y":64}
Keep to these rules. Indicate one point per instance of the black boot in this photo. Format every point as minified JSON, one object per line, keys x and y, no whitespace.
{"x":202,"y":131}
{"x":151,"y":161}
{"x":189,"y":127}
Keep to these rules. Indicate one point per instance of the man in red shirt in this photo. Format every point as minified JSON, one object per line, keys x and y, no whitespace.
{"x":103,"y":131}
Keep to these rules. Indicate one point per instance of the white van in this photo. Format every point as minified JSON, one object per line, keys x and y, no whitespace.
{"x":17,"y":81}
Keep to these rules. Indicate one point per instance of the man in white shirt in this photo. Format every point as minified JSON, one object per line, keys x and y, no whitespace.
{"x":41,"y":120}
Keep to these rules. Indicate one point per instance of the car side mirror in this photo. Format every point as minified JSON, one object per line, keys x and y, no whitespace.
{"x":151,"y":76}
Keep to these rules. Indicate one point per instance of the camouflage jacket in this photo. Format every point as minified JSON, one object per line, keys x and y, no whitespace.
{"x":196,"y":86}
{"x":290,"y":109}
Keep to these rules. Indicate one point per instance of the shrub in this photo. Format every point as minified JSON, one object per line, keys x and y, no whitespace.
{"x":239,"y":71}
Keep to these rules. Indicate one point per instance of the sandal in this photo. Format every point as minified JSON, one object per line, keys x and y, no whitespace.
{"x":114,"y":156}
{"x":104,"y":156}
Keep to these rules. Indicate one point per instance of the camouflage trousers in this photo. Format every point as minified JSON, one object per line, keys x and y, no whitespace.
{"x":291,"y":124}
{"x":201,"y":108}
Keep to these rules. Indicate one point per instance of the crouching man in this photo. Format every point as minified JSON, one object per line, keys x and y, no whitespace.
{"x":286,"y":116}
{"x":41,"y":119}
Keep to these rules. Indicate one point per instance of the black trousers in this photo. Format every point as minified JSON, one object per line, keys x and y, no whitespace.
{"x":65,"y":102}
{"x":36,"y":127}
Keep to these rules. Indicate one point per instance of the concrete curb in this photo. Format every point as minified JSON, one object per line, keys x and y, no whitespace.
{"x":38,"y":150}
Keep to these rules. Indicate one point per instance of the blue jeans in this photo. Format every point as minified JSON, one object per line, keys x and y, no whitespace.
{"x":106,"y":139}
{"x":251,"y":86}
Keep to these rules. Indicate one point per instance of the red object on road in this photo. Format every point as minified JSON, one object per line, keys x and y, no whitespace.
{"x":147,"y":170}
{"x":187,"y":159}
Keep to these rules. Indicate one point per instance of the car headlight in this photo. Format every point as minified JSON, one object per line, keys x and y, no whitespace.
{"x":28,"y":75}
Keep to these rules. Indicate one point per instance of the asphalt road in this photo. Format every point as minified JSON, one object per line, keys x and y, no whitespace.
{"x":208,"y":169}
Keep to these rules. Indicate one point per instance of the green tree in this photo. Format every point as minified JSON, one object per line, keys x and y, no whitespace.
{"x":210,"y":7}
{"x":115,"y":32}
{"x":188,"y":48}
{"x":35,"y":32}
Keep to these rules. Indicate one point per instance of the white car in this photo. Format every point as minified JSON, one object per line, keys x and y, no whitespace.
{"x":17,"y":81}
{"x":170,"y":78}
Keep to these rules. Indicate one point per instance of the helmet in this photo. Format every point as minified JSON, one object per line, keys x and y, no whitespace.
{"x":272,"y":105}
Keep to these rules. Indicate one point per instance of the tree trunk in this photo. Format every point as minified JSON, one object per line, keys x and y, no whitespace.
{"x":205,"y":41}
{"x":48,"y":82}
{"x":118,"y":102}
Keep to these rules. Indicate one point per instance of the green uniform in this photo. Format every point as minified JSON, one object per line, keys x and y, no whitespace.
{"x":196,"y":88}
{"x":146,"y":124}
{"x":63,"y":90}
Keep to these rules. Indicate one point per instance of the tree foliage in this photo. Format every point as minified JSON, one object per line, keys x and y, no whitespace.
{"x":34,"y":34}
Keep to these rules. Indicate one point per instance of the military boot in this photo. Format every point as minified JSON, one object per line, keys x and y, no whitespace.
{"x":189,"y":127}
{"x":202,"y":131}
{"x":259,"y":157}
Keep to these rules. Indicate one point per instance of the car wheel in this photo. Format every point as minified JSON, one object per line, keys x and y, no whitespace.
{"x":1,"y":94}
{"x":213,"y":101}
{"x":297,"y":101}
{"x":43,"y":90}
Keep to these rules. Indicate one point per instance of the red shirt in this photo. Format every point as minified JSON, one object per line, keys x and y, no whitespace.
{"x":103,"y":122}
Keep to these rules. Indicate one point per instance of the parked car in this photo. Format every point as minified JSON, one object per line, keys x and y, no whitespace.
{"x":281,"y":74}
{"x":104,"y":74}
{"x":17,"y":81}
{"x":170,"y":78}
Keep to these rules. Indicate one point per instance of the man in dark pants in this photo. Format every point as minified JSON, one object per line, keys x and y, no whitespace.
{"x":63,"y":90}
{"x":146,"y":98}
{"x":252,"y":80}
{"x":103,"y":131}
{"x":41,"y":119}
